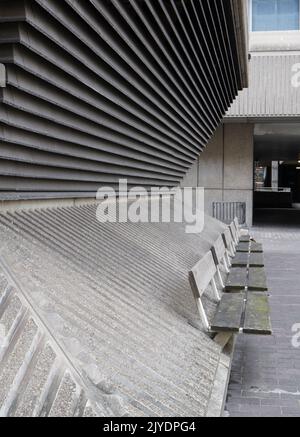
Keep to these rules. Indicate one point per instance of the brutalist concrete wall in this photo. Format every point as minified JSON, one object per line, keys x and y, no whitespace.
{"x":100,"y":90}
{"x":225,"y":168}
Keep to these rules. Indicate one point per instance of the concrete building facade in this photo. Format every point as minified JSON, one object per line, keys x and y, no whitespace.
{"x":225,"y":168}
{"x":260,"y":127}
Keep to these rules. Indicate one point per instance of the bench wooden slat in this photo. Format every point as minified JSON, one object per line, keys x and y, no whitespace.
{"x":228,"y":240}
{"x":256,"y":260}
{"x":257,"y":318}
{"x":218,"y":250}
{"x":202,"y":274}
{"x":229,"y":313}
{"x":256,"y":247}
{"x":237,"y":279}
{"x":244,"y":239}
{"x":244,"y":308}
{"x":250,"y":246}
{"x":257,"y":279}
{"x":243,"y":247}
{"x":241,"y":259}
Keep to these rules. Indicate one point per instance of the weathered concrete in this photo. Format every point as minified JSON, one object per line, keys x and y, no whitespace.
{"x":191,"y":178}
{"x":117,"y":300}
{"x":225,"y":168}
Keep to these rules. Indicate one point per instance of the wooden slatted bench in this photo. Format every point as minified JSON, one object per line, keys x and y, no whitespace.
{"x":244,"y":243}
{"x":242,"y":303}
{"x":250,"y":246}
{"x":237,"y":279}
{"x":229,"y":243}
{"x":242,"y":312}
{"x":221,"y":259}
{"x":247,"y":265}
{"x":243,"y":248}
{"x":242,"y":237}
{"x":257,"y":280}
{"x":243,"y":259}
{"x":254,"y":279}
{"x":248,"y":314}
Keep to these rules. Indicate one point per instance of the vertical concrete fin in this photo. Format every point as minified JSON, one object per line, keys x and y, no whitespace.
{"x":2,"y":76}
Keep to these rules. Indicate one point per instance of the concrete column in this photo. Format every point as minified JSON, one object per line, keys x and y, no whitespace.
{"x":275,"y":174}
{"x":225,"y":168}
{"x":239,"y":165}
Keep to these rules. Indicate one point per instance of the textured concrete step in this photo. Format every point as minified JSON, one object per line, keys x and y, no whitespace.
{"x":14,"y":364}
{"x":9,"y":316}
{"x":66,"y":399}
{"x":31,"y":400}
{"x":3,"y":287}
{"x":89,"y":411}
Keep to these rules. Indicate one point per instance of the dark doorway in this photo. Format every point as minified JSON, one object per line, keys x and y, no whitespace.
{"x":289,"y":176}
{"x":277,"y":174}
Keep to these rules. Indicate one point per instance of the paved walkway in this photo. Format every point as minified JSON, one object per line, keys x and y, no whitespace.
{"x":265,"y":379}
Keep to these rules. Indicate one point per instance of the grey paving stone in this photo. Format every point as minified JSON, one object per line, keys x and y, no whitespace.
{"x":278,"y":402}
{"x":247,"y":401}
{"x":270,"y":411}
{"x":268,"y":369}
{"x":290,"y":410}
{"x":260,"y":394}
{"x":240,"y":414}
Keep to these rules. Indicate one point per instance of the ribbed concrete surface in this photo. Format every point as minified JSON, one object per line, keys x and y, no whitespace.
{"x":271,"y":92}
{"x":97,"y":90}
{"x":115,"y":301}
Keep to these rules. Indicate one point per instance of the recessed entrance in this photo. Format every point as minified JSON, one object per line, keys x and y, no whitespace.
{"x":277,"y":174}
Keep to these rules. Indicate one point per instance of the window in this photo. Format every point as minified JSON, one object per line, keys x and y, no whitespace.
{"x":268,"y":15}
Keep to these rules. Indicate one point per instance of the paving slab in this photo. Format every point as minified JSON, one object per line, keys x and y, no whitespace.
{"x":264,"y":379}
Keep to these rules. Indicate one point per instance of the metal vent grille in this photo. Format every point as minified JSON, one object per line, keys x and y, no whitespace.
{"x":226,"y":212}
